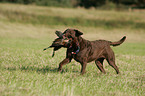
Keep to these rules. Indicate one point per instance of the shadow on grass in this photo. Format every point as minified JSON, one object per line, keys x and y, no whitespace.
{"x":42,"y":70}
{"x":33,"y":69}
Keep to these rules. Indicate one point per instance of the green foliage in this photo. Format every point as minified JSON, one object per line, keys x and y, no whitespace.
{"x":57,"y":3}
{"x":92,"y":3}
{"x":84,"y":3}
{"x":19,"y":1}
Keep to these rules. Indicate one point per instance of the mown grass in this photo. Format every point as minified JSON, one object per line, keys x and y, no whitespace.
{"x":26,"y":70}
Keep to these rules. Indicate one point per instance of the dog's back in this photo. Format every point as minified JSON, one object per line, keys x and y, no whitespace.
{"x":98,"y":48}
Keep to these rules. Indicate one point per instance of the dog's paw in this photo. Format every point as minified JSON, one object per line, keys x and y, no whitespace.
{"x":59,"y":70}
{"x":44,"y":49}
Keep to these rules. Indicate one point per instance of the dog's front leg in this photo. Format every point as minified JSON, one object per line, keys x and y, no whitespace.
{"x":83,"y":64}
{"x":83,"y":69}
{"x":65,"y":61}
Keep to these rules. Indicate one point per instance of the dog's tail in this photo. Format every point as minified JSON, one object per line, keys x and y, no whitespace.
{"x":118,"y":42}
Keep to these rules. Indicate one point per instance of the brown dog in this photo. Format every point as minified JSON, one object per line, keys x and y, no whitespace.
{"x":84,"y":51}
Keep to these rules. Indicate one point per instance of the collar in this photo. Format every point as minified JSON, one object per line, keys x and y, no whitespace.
{"x":77,"y":51}
{"x":78,"y":48}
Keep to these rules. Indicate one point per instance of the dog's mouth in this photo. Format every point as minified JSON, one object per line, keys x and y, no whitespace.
{"x":64,"y":42}
{"x":61,"y":41}
{"x":56,"y":44}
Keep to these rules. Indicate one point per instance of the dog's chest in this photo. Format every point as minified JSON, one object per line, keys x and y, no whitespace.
{"x":81,"y":56}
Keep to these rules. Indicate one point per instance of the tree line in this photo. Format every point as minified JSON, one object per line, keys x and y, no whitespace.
{"x":82,"y":3}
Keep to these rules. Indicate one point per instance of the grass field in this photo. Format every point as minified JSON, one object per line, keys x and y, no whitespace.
{"x":25,"y":70}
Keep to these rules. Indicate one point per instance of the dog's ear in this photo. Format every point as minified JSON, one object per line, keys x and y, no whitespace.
{"x":78,"y":33}
{"x":58,"y":33}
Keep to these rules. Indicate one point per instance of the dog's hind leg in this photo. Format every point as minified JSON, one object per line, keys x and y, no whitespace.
{"x":111,"y":62}
{"x":99,"y":64}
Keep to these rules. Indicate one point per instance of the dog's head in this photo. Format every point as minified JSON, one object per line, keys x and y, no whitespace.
{"x":66,"y":37}
{"x":69,"y":33}
{"x":72,"y":33}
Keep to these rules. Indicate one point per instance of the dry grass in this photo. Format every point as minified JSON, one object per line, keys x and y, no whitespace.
{"x":90,"y":33}
{"x":72,"y":17}
{"x":137,"y":16}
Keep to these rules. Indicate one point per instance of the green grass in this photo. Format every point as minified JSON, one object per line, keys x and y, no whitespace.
{"x":25,"y":69}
